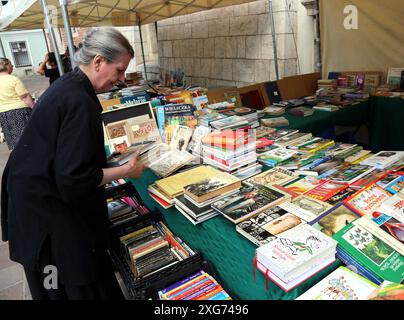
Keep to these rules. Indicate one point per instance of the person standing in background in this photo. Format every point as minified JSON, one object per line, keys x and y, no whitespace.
{"x":15,"y":104}
{"x":52,"y":72}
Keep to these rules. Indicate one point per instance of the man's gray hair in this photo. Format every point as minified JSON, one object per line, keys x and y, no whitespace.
{"x":106,"y":42}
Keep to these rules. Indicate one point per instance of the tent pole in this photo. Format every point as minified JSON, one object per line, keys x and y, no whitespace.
{"x":66,"y":23}
{"x":46,"y":39}
{"x":52,"y":36}
{"x":271,"y":18}
{"x":141,"y":44}
{"x":3,"y":52}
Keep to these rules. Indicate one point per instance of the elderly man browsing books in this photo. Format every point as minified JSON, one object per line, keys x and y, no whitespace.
{"x":53,"y":209}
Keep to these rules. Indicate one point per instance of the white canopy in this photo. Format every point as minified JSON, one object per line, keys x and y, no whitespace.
{"x":28,"y":14}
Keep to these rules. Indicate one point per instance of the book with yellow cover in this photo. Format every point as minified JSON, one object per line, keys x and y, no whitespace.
{"x":174,"y":185}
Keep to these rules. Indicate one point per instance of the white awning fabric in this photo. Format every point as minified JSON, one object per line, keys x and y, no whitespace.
{"x":28,"y":14}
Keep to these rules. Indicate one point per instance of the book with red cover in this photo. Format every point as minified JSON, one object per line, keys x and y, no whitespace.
{"x":226,"y":139}
{"x":326,"y":190}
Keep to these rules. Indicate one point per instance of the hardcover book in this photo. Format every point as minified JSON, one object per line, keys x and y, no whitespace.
{"x":372,"y":252}
{"x":248,"y":201}
{"x":174,"y":185}
{"x":211,"y":187}
{"x":296,"y":252}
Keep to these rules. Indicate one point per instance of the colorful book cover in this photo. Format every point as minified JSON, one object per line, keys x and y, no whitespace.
{"x":350,"y":173}
{"x":367,"y":200}
{"x":326,"y":190}
{"x":341,"y":284}
{"x":334,"y":219}
{"x":371,"y":252}
{"x":296,"y":252}
{"x":388,"y":291}
{"x":171,"y":115}
{"x":304,"y":184}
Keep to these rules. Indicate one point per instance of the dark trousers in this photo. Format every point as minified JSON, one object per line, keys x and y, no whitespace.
{"x":105,"y":289}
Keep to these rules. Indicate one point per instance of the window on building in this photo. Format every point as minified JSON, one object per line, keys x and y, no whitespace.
{"x":20,"y":53}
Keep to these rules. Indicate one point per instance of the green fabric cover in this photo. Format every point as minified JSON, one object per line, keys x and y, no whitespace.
{"x":386,"y":124}
{"x":320,"y":121}
{"x":230,"y":252}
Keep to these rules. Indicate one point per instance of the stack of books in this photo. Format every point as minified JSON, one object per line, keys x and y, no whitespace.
{"x":294,"y":139}
{"x":296,"y":256}
{"x":313,"y":145}
{"x":194,"y":203}
{"x":301,"y":111}
{"x":276,"y":156}
{"x":330,"y":84}
{"x":148,"y":251}
{"x":206,"y":119}
{"x":275,"y":122}
{"x":248,"y":114}
{"x":119,"y":211}
{"x":163,"y":191}
{"x":198,"y":286}
{"x":383,"y":159}
{"x":193,"y":211}
{"x":375,"y":254}
{"x":232,"y":122}
{"x":230,"y":150}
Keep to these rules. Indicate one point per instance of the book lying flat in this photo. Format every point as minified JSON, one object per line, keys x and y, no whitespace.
{"x":341,"y":284}
{"x":248,"y":201}
{"x":296,"y":252}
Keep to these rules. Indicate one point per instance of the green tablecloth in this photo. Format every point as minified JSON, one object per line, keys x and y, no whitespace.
{"x":321,"y":121}
{"x":386,"y":124}
{"x":231,"y":253}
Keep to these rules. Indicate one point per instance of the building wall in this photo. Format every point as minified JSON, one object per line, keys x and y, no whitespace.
{"x":231,"y":46}
{"x":36,"y":48}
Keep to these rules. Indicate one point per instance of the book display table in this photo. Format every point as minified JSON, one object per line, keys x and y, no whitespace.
{"x":386,"y":123}
{"x":321,"y":121}
{"x":230,"y":252}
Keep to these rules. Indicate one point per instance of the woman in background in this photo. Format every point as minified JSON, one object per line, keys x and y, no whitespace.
{"x":15,"y":104}
{"x":52,"y":72}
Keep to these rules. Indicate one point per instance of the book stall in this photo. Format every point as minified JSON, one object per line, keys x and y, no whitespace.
{"x":247,"y":194}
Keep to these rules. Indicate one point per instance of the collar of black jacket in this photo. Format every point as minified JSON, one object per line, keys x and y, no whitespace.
{"x":81,"y":77}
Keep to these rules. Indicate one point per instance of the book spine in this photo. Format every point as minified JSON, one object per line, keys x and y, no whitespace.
{"x":222,"y":295}
{"x":215,"y":289}
{"x":315,"y":163}
{"x":182,"y":282}
{"x":188,"y":286}
{"x":199,"y":290}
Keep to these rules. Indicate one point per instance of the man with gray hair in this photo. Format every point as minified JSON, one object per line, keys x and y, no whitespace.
{"x":53,"y":208}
